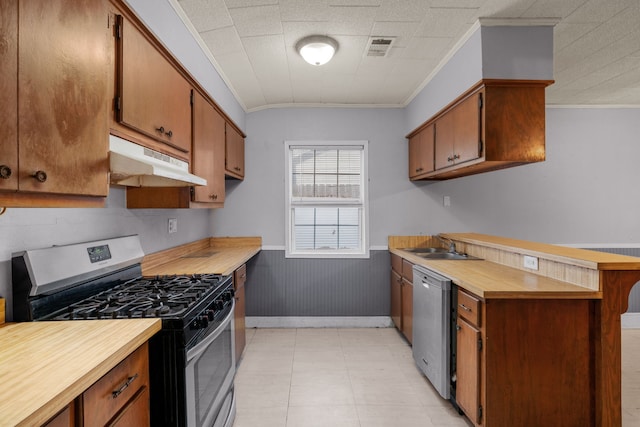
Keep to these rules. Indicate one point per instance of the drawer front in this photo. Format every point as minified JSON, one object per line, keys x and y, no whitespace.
{"x":407,"y":270}
{"x":240,"y":277}
{"x":469,"y":307}
{"x":103,"y":400}
{"x":396,"y":263}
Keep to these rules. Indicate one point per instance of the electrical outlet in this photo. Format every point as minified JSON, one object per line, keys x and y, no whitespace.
{"x":531,"y":262}
{"x":173,"y":225}
{"x":446,"y":201}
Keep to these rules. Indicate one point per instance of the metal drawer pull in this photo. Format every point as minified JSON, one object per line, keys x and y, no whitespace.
{"x":169,"y":134}
{"x":40,"y":176}
{"x":464,"y":307}
{"x":124,"y":386}
{"x":160,"y":129}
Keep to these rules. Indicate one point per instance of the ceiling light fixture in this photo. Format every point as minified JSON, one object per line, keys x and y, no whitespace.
{"x":317,"y":50}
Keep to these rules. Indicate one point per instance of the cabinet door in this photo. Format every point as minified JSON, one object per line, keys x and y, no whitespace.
{"x":234,"y":152}
{"x":445,"y":135}
{"x":135,"y":413}
{"x":468,"y":369}
{"x":9,"y":95}
{"x":396,"y":299}
{"x":65,"y":418}
{"x":63,"y":102}
{"x":421,"y":152}
{"x":208,"y":150}
{"x":154,"y":96}
{"x":457,"y":137}
{"x":239,"y":279}
{"x":466,"y":122}
{"x":407,"y":310}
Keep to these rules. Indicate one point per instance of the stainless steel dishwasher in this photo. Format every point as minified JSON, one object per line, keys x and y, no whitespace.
{"x":431,"y":325}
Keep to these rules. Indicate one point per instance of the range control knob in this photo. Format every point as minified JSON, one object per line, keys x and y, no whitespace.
{"x":219,"y":304}
{"x":204,"y":322}
{"x":211,"y":314}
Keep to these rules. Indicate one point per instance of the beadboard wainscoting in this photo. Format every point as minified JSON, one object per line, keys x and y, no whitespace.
{"x":302,"y":292}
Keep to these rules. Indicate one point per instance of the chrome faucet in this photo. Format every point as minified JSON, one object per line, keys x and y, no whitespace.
{"x":446,"y":241}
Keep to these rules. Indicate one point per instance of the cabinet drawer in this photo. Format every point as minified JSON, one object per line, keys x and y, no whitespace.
{"x":396,"y":263}
{"x":103,"y":400}
{"x":469,"y":307}
{"x":407,"y":270}
{"x":239,"y":277}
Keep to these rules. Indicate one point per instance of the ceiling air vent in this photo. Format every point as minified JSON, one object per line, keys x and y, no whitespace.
{"x":379,"y":46}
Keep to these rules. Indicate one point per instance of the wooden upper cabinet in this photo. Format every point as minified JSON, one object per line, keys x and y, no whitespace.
{"x":421,"y":152}
{"x":9,"y":95}
{"x":234,"y":153}
{"x":153,"y":97}
{"x":495,"y":124}
{"x":208,"y":151}
{"x":56,"y":82}
{"x":458,"y":133}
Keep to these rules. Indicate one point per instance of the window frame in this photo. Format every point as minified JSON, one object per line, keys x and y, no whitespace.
{"x":363,"y":252}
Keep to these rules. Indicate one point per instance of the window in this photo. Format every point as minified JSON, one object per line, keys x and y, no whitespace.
{"x":326,"y":197}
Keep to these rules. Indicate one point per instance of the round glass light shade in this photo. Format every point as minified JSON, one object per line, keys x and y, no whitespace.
{"x":317,"y":50}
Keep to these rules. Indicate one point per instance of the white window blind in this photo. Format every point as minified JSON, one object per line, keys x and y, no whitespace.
{"x":326,"y":199}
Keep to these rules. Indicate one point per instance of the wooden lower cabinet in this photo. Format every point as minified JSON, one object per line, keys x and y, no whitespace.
{"x":65,"y":418}
{"x":526,"y":362}
{"x":396,"y":299}
{"x":121,"y":397}
{"x":402,"y":295}
{"x":239,"y":279}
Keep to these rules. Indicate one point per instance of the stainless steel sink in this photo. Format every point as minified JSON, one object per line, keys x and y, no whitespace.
{"x":446,"y":255}
{"x":425,"y":250}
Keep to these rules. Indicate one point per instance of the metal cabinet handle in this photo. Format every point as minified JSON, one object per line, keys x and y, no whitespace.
{"x":160,"y":129}
{"x":458,"y":327}
{"x":40,"y":176}
{"x":464,"y":307}
{"x":169,"y":134}
{"x":123,"y":387}
{"x":450,"y":159}
{"x":456,"y":156}
{"x":5,"y":172}
{"x":213,"y":196}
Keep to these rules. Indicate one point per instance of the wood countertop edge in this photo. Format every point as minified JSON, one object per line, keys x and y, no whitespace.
{"x":574,"y":256}
{"x":577,"y":292}
{"x":71,"y":392}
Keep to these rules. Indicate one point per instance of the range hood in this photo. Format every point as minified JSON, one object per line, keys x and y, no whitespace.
{"x":137,"y":166}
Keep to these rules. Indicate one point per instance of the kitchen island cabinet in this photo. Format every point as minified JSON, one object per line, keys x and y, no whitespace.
{"x":46,"y":366}
{"x":57,"y":153}
{"x":536,"y":347}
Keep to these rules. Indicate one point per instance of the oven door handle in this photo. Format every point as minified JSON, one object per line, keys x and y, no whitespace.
{"x":202,"y":345}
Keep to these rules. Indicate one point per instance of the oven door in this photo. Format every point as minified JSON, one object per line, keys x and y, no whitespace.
{"x":210,"y":370}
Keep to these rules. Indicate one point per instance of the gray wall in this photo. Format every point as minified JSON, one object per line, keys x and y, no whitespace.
{"x":22,"y":229}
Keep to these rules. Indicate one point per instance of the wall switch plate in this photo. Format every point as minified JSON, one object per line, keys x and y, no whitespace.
{"x":173,"y":225}
{"x":446,"y":201}
{"x":531,"y":262}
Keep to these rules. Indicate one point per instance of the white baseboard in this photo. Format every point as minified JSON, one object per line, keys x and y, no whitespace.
{"x":318,"y":322}
{"x":631,"y":321}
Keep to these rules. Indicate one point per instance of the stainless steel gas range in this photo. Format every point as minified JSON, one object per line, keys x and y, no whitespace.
{"x":191,"y":360}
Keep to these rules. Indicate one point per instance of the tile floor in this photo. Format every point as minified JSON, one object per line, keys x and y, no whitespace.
{"x":360,"y":378}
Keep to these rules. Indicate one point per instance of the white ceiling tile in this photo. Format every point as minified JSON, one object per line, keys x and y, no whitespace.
{"x":306,"y":90}
{"x":355,"y":2}
{"x":598,"y":10}
{"x":445,"y":22}
{"x":267,"y":55}
{"x":222,"y":41}
{"x":354,"y":21}
{"x":294,"y":31}
{"x":505,"y":8}
{"x":307,"y":11}
{"x":427,"y":47}
{"x":402,"y":10}
{"x":232,"y":4}
{"x":564,"y":33}
{"x":207,"y":15}
{"x":257,"y":21}
{"x":552,"y":8}
{"x":403,"y":31}
{"x":472,"y":4}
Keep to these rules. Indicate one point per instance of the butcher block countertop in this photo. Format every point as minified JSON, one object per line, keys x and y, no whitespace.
{"x":564,"y":272}
{"x":215,"y":255}
{"x":46,"y":365}
{"x":490,"y":280}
